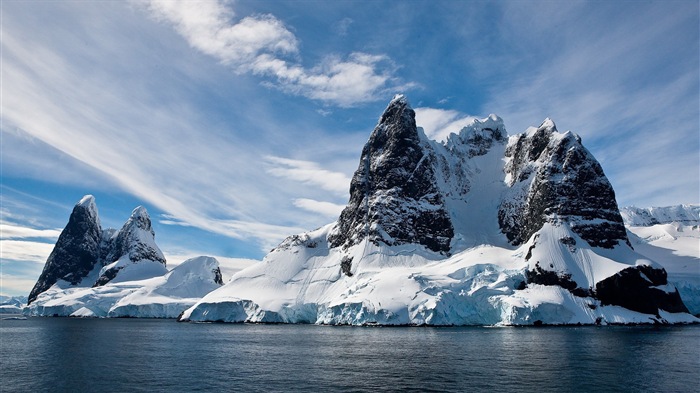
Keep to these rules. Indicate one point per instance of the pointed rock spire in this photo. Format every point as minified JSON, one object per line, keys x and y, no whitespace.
{"x":77,"y":250}
{"x":393,"y":194}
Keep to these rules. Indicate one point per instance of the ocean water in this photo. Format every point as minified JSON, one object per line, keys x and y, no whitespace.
{"x":146,"y":355}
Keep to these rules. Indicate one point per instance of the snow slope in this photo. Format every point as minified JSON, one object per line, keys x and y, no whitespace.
{"x":479,"y":230}
{"x":164,"y":296}
{"x":402,"y":285}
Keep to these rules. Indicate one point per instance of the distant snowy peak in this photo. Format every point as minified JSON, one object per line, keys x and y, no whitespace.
{"x":77,"y":250}
{"x":644,"y":217}
{"x":136,"y":239}
{"x":84,"y":249}
{"x":553,"y":178}
{"x":163,"y":296}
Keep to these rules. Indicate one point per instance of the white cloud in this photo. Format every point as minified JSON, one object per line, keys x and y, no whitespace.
{"x":29,"y":251}
{"x":310,"y":173}
{"x":11,"y":231}
{"x":438,"y":124}
{"x":259,"y":44}
{"x":207,"y":26}
{"x":328,"y":209}
{"x":148,"y":142}
{"x":343,"y":25}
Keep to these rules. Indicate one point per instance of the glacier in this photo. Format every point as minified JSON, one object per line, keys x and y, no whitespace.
{"x":482,"y":229}
{"x":406,"y":285}
{"x":163,"y":296}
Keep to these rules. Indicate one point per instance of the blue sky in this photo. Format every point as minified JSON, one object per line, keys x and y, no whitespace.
{"x":239,"y":123}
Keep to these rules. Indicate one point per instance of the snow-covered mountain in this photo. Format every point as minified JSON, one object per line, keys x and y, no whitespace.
{"x":87,"y":255}
{"x":12,"y":304}
{"x":164,"y":296}
{"x":77,"y":251}
{"x":110,"y":273}
{"x":482,"y":229}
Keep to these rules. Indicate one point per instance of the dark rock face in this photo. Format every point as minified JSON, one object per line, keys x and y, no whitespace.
{"x":554,"y":178}
{"x":633,"y":289}
{"x":394,"y":198}
{"x":218,"y":279}
{"x":77,"y":250}
{"x":107,"y":276}
{"x":547,"y":277}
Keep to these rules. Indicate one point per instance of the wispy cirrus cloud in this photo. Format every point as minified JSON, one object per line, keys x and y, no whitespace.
{"x":310,"y":173}
{"x":605,"y":84}
{"x":134,"y":130}
{"x":27,"y":251}
{"x":328,"y":209}
{"x":264,"y":46}
{"x":13,"y":231}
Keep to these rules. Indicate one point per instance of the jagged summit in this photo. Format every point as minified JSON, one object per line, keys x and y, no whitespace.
{"x":133,"y":243}
{"x":87,"y":255}
{"x":393,"y":194}
{"x":548,"y":124}
{"x":553,"y":178}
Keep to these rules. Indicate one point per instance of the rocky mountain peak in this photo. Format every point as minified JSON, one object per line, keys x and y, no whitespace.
{"x":140,"y":219}
{"x":477,"y":138}
{"x":553,"y":178}
{"x":77,"y":250}
{"x":548,"y":124}
{"x":394,"y":197}
{"x":136,"y":239}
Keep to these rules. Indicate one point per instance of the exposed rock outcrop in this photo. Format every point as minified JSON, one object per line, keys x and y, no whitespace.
{"x":77,"y":250}
{"x":394,"y":198}
{"x":553,"y":178}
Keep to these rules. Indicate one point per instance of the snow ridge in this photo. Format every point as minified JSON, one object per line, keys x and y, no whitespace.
{"x":644,"y":217}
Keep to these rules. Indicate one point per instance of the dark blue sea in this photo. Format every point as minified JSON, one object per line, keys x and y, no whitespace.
{"x":146,"y":355}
